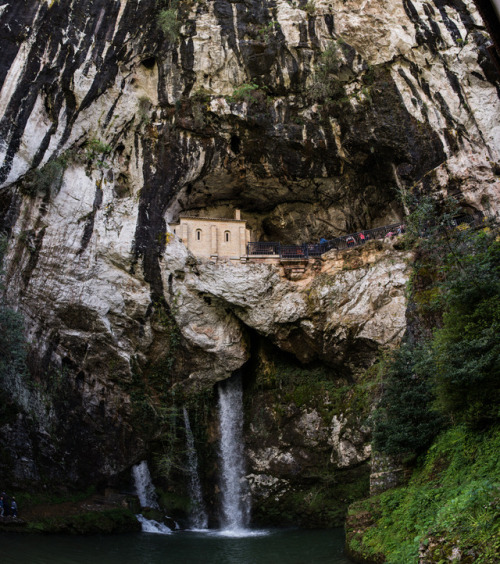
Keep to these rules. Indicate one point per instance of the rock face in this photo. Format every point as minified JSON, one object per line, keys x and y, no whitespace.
{"x":310,"y":118}
{"x":340,"y":304}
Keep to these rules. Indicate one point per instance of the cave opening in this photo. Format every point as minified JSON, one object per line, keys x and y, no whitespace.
{"x":235,"y":144}
{"x":149,"y":63}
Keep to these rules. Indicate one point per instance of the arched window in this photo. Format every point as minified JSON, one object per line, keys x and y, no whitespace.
{"x":227,"y":236}
{"x":198,"y":234}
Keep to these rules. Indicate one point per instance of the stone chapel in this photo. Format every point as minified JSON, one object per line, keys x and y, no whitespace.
{"x":213,"y":237}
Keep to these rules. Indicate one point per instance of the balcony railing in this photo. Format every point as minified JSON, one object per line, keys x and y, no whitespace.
{"x":309,"y":250}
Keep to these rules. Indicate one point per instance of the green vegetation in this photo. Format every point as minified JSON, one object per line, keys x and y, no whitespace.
{"x":30,"y":499}
{"x":245,"y":93}
{"x":201,"y":96}
{"x":405,"y":420}
{"x":318,"y":387}
{"x":451,"y":502}
{"x":49,"y":177}
{"x":13,"y":347}
{"x":451,"y":374}
{"x":92,"y":522}
{"x":466,"y":349}
{"x":267,"y":30}
{"x":155,"y":406}
{"x":167,"y":22}
{"x":47,"y":180}
{"x":310,"y":9}
{"x":12,"y":342}
{"x":319,"y":501}
{"x":177,"y":503}
{"x":96,"y":152}
{"x":319,"y":494}
{"x":327,"y":84}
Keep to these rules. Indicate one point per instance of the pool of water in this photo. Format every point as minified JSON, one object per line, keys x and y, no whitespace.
{"x":183,"y":547}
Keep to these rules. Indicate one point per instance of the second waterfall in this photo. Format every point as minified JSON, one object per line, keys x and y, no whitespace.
{"x":234,"y":489}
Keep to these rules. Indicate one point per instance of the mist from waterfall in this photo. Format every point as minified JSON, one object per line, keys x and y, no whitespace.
{"x":234,"y":489}
{"x":198,"y":515}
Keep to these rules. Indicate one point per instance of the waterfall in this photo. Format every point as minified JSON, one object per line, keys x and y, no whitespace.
{"x":235,"y":496}
{"x":147,"y":498}
{"x":144,"y":485}
{"x":198,"y":516}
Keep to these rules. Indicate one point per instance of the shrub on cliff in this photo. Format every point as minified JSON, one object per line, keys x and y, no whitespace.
{"x":327,"y":83}
{"x":167,"y":22}
{"x":47,"y":179}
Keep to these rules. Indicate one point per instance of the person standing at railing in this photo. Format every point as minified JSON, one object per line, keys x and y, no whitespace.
{"x":361,"y":238}
{"x":350,"y":241}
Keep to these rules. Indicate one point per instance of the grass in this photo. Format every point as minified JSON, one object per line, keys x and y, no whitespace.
{"x":452,"y":502}
{"x":244,"y":93}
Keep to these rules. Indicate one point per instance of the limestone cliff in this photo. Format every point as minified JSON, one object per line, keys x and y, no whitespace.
{"x":310,"y":117}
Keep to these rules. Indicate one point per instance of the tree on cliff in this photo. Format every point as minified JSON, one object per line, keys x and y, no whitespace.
{"x":405,"y":420}
{"x":449,"y":371}
{"x":466,"y":349}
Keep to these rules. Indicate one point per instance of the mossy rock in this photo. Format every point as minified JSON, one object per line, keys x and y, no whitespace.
{"x":322,"y":502}
{"x":176,"y":505}
{"x":92,"y":522}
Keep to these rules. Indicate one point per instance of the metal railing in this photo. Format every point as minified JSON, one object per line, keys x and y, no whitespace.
{"x":361,"y":237}
{"x":263,"y":248}
{"x":470,"y":220}
{"x":309,"y":250}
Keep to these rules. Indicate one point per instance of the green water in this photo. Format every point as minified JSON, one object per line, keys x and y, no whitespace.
{"x":275,"y":547}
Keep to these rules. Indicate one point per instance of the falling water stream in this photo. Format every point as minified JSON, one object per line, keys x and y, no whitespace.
{"x":198,"y":515}
{"x":144,"y":485}
{"x":234,"y":490}
{"x":147,"y":498}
